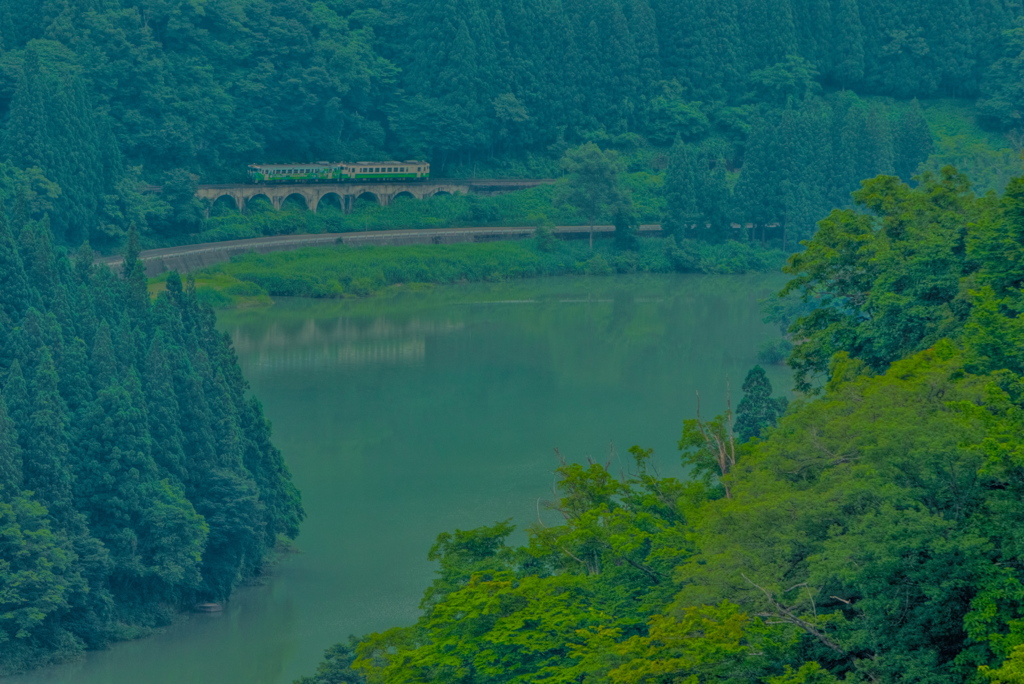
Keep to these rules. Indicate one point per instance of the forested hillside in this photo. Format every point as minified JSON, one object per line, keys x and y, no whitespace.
{"x":99,"y":96}
{"x":871,"y":534}
{"x":137,"y":476}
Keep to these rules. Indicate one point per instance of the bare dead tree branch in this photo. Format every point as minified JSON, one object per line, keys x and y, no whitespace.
{"x":724,"y":454}
{"x":786,"y":615}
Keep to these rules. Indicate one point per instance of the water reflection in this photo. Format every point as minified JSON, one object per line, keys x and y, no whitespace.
{"x":314,"y":343}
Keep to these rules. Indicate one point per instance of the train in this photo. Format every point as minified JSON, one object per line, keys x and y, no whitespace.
{"x":340,"y":172}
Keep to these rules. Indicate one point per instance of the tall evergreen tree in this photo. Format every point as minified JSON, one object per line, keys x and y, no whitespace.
{"x":16,"y":397}
{"x":10,"y":456}
{"x":15,"y":293}
{"x":681,"y":210}
{"x":644,"y":32}
{"x":46,"y":445}
{"x":848,"y":45}
{"x":757,"y":411}
{"x":759,"y":197}
{"x":912,"y":141}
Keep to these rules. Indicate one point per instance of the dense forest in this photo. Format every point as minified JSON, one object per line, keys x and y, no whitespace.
{"x":869,"y":534}
{"x":98,"y":97}
{"x":137,"y":475}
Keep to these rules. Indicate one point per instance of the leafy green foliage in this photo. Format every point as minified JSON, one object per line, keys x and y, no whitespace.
{"x":592,"y":184}
{"x":871,"y":535}
{"x":886,"y":279}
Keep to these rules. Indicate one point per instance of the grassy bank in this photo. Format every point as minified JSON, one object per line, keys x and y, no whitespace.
{"x":342,"y":271}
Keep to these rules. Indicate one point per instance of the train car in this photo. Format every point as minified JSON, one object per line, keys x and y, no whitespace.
{"x":388,"y":170}
{"x":309,"y":172}
{"x":335,"y":172}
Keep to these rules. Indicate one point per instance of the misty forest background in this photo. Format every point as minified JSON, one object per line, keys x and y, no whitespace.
{"x":753,"y":111}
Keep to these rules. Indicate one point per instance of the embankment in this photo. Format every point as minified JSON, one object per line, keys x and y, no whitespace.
{"x":188,"y":258}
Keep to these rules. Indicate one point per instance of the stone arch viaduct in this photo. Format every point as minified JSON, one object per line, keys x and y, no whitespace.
{"x":347,"y":193}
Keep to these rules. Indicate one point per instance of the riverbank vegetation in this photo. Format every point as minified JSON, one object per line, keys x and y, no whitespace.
{"x":360,"y":271}
{"x":868,"y":535}
{"x":137,"y":475}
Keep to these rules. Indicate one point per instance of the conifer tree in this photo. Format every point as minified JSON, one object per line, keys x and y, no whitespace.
{"x":15,"y":293}
{"x":17,"y":400}
{"x":163,"y":412}
{"x":75,"y":386}
{"x":912,"y":141}
{"x":714,"y":197}
{"x":805,"y":168}
{"x":103,"y":367}
{"x":848,"y":45}
{"x":759,"y":196}
{"x":680,"y":191}
{"x":45,"y":445}
{"x":52,"y":125}
{"x":643,"y":30}
{"x":134,"y":274}
{"x":10,"y":456}
{"x":769,"y":33}
{"x":757,"y":410}
{"x":876,"y":145}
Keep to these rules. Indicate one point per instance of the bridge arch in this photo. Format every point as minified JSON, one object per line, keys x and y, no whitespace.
{"x":225,"y":203}
{"x":404,"y":195}
{"x":259,"y":202}
{"x":294,"y":199}
{"x":330,"y":200}
{"x":440,"y":193}
{"x":368,"y":196}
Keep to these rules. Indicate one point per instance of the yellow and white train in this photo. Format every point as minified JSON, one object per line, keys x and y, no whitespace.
{"x":339,"y":172}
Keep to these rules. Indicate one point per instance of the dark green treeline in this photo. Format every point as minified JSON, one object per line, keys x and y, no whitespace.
{"x":137,"y":476}
{"x":100,"y":95}
{"x":798,"y":162}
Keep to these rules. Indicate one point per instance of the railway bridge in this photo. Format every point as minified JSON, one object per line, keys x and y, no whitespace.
{"x":312,"y":194}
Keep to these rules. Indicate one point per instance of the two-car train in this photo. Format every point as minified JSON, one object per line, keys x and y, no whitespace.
{"x":340,"y":172}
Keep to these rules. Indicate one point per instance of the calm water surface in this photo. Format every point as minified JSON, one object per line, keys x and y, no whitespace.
{"x":406,"y":416}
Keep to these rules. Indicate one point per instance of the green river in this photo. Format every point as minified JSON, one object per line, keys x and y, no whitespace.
{"x":405,"y":416}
